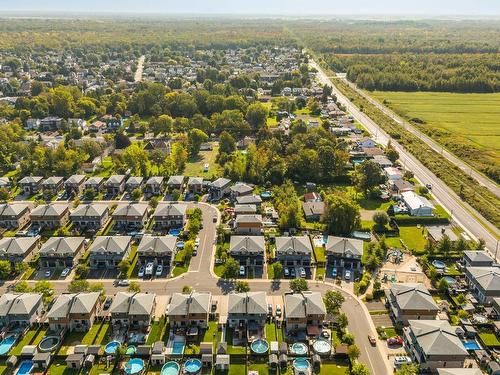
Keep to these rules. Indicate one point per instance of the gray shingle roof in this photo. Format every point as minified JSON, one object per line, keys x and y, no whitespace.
{"x":131,"y":210}
{"x":175,"y":180}
{"x":76,"y":179}
{"x":300,"y":305}
{"x":90,"y":210}
{"x":412,"y":297}
{"x":157,"y":245}
{"x":12,"y":209}
{"x":79,"y":303}
{"x":241,"y":188}
{"x":52,"y":181}
{"x":437,"y":337}
{"x":94,"y":181}
{"x":63,"y":246}
{"x":170,"y":209}
{"x":194,"y":303}
{"x":116,"y":179}
{"x":253,"y":303}
{"x":293,"y":245}
{"x":110,"y":244}
{"x":248,"y":219}
{"x":478,"y":256}
{"x":195,"y":181}
{"x":249,"y":199}
{"x":19,"y":304}
{"x":220,"y":183}
{"x":134,"y":180}
{"x":313,"y":208}
{"x":154,"y":180}
{"x":133,"y":303}
{"x":247,"y":245}
{"x":487,"y":277}
{"x":344,"y":246}
{"x":16,"y":245}
{"x":30,"y":180}
{"x":53,"y":209}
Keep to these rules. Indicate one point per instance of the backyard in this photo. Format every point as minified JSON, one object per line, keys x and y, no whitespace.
{"x":412,"y":237}
{"x":195,"y":164}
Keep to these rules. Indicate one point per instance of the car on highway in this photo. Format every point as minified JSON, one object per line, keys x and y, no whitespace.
{"x":372,"y":340}
{"x":123,"y":282}
{"x":159,"y":270}
{"x":65,"y":272}
{"x":347,"y":275}
{"x":141,"y":272}
{"x":242,"y":270}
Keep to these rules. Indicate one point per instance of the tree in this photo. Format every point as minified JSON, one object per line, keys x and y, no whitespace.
{"x":179,"y":156}
{"x":391,"y":153}
{"x":368,"y":176}
{"x":124,"y":266}
{"x":442,"y":285}
{"x":136,"y":194}
{"x":231,"y":269}
{"x":342,"y":321}
{"x":242,"y":287}
{"x":342,"y":215}
{"x":122,"y":141}
{"x":278,"y":271}
{"x":161,"y":124}
{"x":81,"y":271}
{"x":4,"y":194}
{"x":256,"y":115}
{"x":134,"y":287}
{"x":195,"y":138}
{"x":359,"y":369}
{"x":44,"y":287}
{"x":136,"y":159}
{"x":20,"y":267}
{"x":22,"y":287}
{"x":348,"y":338}
{"x":299,"y":285}
{"x":78,"y":286}
{"x":153,"y":201}
{"x":5,"y":269}
{"x":186,"y":289}
{"x":227,"y":143}
{"x":408,"y":369}
{"x":353,"y":352}
{"x":333,"y":301}
{"x":381,"y":219}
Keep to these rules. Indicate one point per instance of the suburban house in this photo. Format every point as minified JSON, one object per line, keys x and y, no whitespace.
{"x":133,"y":183}
{"x":195,"y":185}
{"x":21,"y":310}
{"x":61,"y":252}
{"x":245,"y":209}
{"x":158,"y":250}
{"x":294,"y":252}
{"x":14,"y":215}
{"x":250,"y":199}
{"x":393,"y":174}
{"x":484,"y":283}
{"x":410,"y":302}
{"x":133,"y":310}
{"x":109,"y":251}
{"x":90,"y":216}
{"x":74,"y":312}
{"x":313,"y":211}
{"x":417,"y":205}
{"x":154,"y":185}
{"x":249,"y":252}
{"x":170,"y":215}
{"x":344,"y":253}
{"x":240,"y":189}
{"x":189,"y":309}
{"x":115,"y":185}
{"x":248,"y":224}
{"x":30,"y":184}
{"x":312,"y":197}
{"x":50,"y":123}
{"x":158,"y":144}
{"x":434,"y":344}
{"x":17,"y":250}
{"x":219,"y":188}
{"x":436,"y":233}
{"x":382,"y":160}
{"x":398,"y":187}
{"x":131,"y":216}
{"x":74,"y":185}
{"x":5,"y":183}
{"x":96,"y":184}
{"x":477,"y":258}
{"x":247,"y":314}
{"x":50,"y":216}
{"x":304,"y":311}
{"x":366,"y":143}
{"x":175,"y":183}
{"x":52,"y":185}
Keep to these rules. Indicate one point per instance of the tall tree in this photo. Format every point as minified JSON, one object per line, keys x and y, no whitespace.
{"x":342,"y":215}
{"x":195,"y":138}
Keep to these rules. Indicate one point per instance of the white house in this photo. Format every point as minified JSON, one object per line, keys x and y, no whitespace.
{"x":417,"y":205}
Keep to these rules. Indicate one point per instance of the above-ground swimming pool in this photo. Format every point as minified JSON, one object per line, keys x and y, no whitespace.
{"x":266,"y":194}
{"x":6,"y":344}
{"x":178,"y":347}
{"x":438,"y":264}
{"x":170,"y":368}
{"x":49,"y":343}
{"x":365,"y":236}
{"x":174,"y":232}
{"x":192,"y":366}
{"x":259,"y":346}
{"x":450,"y":280}
{"x":134,"y":366}
{"x":299,"y":348}
{"x":180,"y":244}
{"x":25,"y":368}
{"x":322,"y":347}
{"x":111,"y":347}
{"x":301,"y":364}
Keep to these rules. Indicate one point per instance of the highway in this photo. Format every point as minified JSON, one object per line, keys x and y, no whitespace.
{"x":483,"y":180}
{"x":462,"y":213}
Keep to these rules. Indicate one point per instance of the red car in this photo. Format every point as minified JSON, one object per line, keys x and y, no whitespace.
{"x":393,"y":341}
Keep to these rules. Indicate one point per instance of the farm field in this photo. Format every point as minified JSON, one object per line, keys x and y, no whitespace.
{"x":455,"y":120}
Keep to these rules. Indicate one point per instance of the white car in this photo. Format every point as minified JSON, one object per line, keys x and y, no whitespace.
{"x":302,"y":272}
{"x":123,"y":282}
{"x":347,"y":275}
{"x":287,"y":272}
{"x":65,"y":272}
{"x":401,"y":360}
{"x":141,"y":272}
{"x":197,"y":242}
{"x":48,"y":273}
{"x":149,"y":268}
{"x":159,"y":270}
{"x":242,"y":270}
{"x":278,"y":311}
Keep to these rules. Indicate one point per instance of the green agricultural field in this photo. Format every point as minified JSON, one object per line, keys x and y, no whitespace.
{"x":461,"y":122}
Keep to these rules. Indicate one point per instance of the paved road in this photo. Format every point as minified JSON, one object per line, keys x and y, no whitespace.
{"x":462,"y":213}
{"x":140,"y":69}
{"x":200,"y":277}
{"x":483,"y":180}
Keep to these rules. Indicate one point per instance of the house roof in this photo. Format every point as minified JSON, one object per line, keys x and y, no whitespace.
{"x":157,"y":245}
{"x":301,"y":305}
{"x":110,"y":244}
{"x":412,"y":297}
{"x":53,"y":209}
{"x":17,"y":245}
{"x":175,"y":180}
{"x":154,"y":180}
{"x":248,"y":219}
{"x":437,"y":337}
{"x":131,"y":210}
{"x":12,"y":209}
{"x":75,"y":179}
{"x":220,"y":183}
{"x":135,"y":180}
{"x":250,"y":303}
{"x":195,"y":181}
{"x":94,"y":181}
{"x":245,"y":208}
{"x":133,"y":303}
{"x":344,"y":246}
{"x":312,"y":197}
{"x":52,"y":181}
{"x":19,"y":304}
{"x":487,"y":277}
{"x":247,"y":244}
{"x":170,"y":209}
{"x":459,"y":371}
{"x":185,"y":304}
{"x":90,"y":210}
{"x":65,"y":246}
{"x":30,"y":180}
{"x":293,"y":245}
{"x":249,"y":199}
{"x":241,"y":188}
{"x":478,"y":256}
{"x":313,"y":208}
{"x":414,"y":201}
{"x":116,"y":179}
{"x":74,"y":303}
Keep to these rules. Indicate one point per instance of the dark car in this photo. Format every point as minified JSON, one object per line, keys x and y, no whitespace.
{"x":108,"y":303}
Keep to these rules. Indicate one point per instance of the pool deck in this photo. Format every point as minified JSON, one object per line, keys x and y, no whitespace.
{"x":170,"y":344}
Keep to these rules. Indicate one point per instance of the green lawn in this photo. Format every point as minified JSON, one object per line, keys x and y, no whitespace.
{"x":237,"y":369}
{"x":179,"y":270}
{"x":320,"y":273}
{"x":133,"y":258}
{"x":3,"y":368}
{"x":337,"y":367}
{"x":319,"y":254}
{"x":73,"y":338}
{"x":156,"y":332}
{"x":412,"y":237}
{"x":104,"y":334}
{"x":270,"y":332}
{"x":262,"y":367}
{"x":194,"y":166}
{"x":26,"y":340}
{"x":58,"y":367}
{"x":212,"y":333}
{"x":489,"y":339}
{"x":230,"y":347}
{"x":99,"y":369}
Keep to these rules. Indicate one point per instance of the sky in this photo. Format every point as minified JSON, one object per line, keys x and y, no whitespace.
{"x":264,"y":7}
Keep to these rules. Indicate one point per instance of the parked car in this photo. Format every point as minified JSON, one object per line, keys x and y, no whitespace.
{"x":401,"y":360}
{"x":141,"y":272}
{"x":287,"y":272}
{"x":270,"y":309}
{"x":278,"y":311}
{"x":373,"y":340}
{"x":108,"y":303}
{"x":334,"y":272}
{"x":302,"y":272}
{"x":124,"y":282}
{"x":292,"y":272}
{"x":197,"y":242}
{"x":149,"y":268}
{"x":48,"y":273}
{"x":393,"y":341}
{"x":65,"y":272}
{"x":159,"y":270}
{"x":347,"y":275}
{"x":242,"y":270}
{"x":428,"y":186}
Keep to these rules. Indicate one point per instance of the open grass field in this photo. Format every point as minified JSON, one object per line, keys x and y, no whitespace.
{"x":194,"y":166}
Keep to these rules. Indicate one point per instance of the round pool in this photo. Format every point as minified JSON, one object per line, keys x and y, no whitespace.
{"x":266,"y":194}
{"x":450,"y":280}
{"x":438,"y":264}
{"x":180,"y":245}
{"x":192,"y":366}
{"x":49,"y":343}
{"x":131,"y":350}
{"x":174,"y":232}
{"x":299,"y":348}
{"x":170,"y":368}
{"x":259,"y":346}
{"x":322,"y":347}
{"x":134,"y":366}
{"x":301,"y":364}
{"x":112,"y":347}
